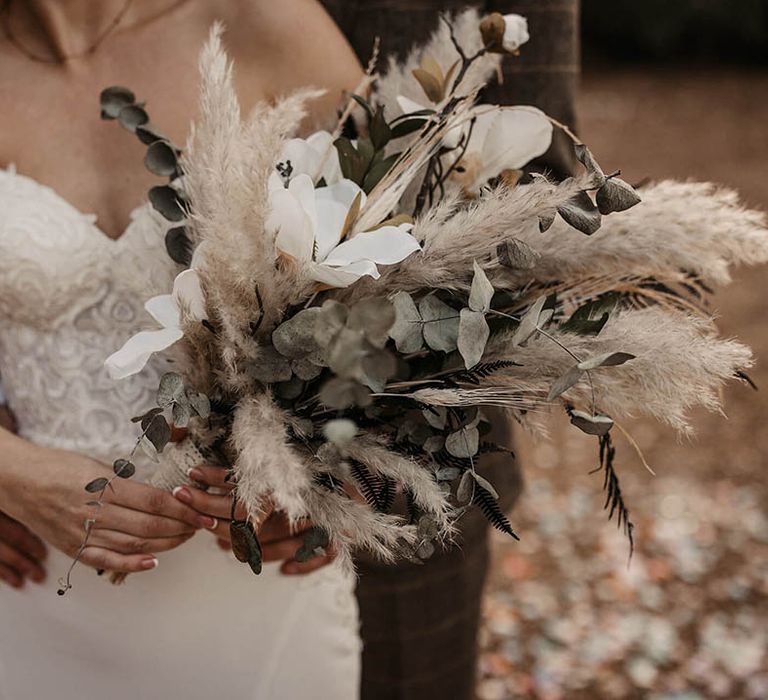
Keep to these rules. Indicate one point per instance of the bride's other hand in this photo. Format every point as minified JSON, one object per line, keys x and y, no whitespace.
{"x":44,"y":489}
{"x":21,"y":553}
{"x":278,"y":541}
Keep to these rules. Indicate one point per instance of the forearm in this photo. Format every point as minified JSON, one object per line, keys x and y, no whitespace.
{"x":16,"y":454}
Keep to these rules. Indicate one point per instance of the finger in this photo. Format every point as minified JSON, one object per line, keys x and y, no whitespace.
{"x":101,"y":558}
{"x":226,"y":545}
{"x":134,"y":522}
{"x":23,"y":539}
{"x":12,"y":577}
{"x":153,"y":501}
{"x":14,"y":559}
{"x":210,"y":504}
{"x":276,"y":527}
{"x":127,"y":544}
{"x":211,"y":475}
{"x":301,"y":568}
{"x":282,"y":549}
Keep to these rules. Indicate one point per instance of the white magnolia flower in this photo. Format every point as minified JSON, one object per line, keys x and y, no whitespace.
{"x":309,"y":224}
{"x":503,"y":138}
{"x":167,"y":309}
{"x":315,"y":156}
{"x":515,"y":32}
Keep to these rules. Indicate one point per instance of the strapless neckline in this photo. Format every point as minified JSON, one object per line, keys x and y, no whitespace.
{"x":91,"y":219}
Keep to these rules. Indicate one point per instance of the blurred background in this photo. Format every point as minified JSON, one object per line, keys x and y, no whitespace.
{"x":673,"y":89}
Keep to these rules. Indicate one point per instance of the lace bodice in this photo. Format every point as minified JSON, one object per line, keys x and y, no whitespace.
{"x":69,"y":297}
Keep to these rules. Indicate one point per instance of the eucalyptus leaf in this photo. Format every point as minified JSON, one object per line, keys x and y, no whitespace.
{"x":592,"y":425}
{"x":161,"y":159}
{"x":529,"y":322}
{"x":342,"y":393}
{"x":427,"y":528}
{"x":181,"y":414}
{"x":378,"y":366}
{"x":315,"y":544}
{"x":158,"y":432}
{"x":132,"y":116}
{"x":148,"y":449}
{"x":123,"y":468}
{"x":271,"y":367}
{"x":463,"y":443}
{"x":581,"y":213}
{"x":178,"y":245}
{"x":171,"y":389}
{"x":331,"y":319}
{"x":484,"y":483}
{"x":290,"y":390}
{"x":295,"y":338}
{"x":517,"y":255}
{"x":148,"y":134}
{"x":481,"y":291}
{"x":440,"y":324}
{"x":375,"y":316}
{"x":245,"y":544}
{"x":96,"y":485}
{"x":608,"y":359}
{"x":436,"y":416}
{"x":546,"y":221}
{"x":565,"y":382}
{"x":433,"y":444}
{"x":305,"y":369}
{"x":473,"y":336}
{"x":616,"y":195}
{"x":169,"y":202}
{"x":585,"y":157}
{"x":447,"y":473}
{"x":407,"y":329}
{"x":590,"y":318}
{"x":113,"y":99}
{"x":199,"y":402}
{"x":465,"y":488}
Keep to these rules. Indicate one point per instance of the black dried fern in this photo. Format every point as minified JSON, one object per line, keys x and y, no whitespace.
{"x":479,"y":372}
{"x":492,"y":511}
{"x":614,"y":501}
{"x":386,"y":493}
{"x":368,"y":484}
{"x":413,"y":510}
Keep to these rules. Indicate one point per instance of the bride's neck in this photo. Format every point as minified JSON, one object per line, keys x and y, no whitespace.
{"x":66,"y":28}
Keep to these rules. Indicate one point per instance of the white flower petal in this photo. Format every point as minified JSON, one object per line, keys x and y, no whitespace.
{"x":343,"y":276}
{"x":132,"y":357}
{"x":188,"y":294}
{"x":328,"y":158}
{"x":332,"y":205}
{"x":514,"y":137}
{"x":515,"y":32}
{"x":304,"y":159}
{"x":198,"y":257}
{"x":164,"y":310}
{"x":385,"y":246}
{"x":294,"y":227}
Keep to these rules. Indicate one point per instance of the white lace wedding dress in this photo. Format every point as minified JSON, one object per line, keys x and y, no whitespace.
{"x":200,"y":625}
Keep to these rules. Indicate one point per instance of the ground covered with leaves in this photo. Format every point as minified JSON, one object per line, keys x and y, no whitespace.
{"x":565,"y":617}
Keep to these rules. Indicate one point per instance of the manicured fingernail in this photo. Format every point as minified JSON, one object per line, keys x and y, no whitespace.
{"x":195,"y":474}
{"x":182,"y":494}
{"x":150,"y":563}
{"x":207,"y":522}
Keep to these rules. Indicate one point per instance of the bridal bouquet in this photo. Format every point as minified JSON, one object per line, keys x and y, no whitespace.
{"x":351,"y":307}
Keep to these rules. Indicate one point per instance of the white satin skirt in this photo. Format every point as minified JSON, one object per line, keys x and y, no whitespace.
{"x":200,"y":626}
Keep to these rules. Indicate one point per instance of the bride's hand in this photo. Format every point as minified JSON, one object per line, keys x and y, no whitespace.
{"x":21,"y":553}
{"x":44,"y":489}
{"x":278,"y":541}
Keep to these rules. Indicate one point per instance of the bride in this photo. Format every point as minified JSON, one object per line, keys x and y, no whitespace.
{"x":190,"y":622}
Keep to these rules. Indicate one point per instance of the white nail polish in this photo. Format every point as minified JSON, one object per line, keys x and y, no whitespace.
{"x":176,"y":490}
{"x":154,"y":562}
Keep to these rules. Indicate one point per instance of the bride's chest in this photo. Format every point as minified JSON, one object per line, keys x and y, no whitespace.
{"x":58,"y":267}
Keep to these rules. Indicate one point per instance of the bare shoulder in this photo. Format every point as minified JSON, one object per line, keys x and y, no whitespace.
{"x":293,"y":42}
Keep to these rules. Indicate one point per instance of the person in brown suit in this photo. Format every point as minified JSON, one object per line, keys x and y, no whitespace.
{"x":419,"y":623}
